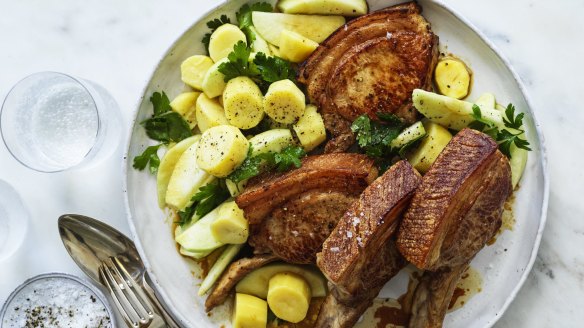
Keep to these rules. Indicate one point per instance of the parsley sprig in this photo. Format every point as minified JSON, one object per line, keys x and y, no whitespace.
{"x":213,"y":25}
{"x":204,"y":201}
{"x":148,"y":157}
{"x":164,"y":126}
{"x":374,"y":138}
{"x":245,"y":20}
{"x":263,"y":70}
{"x":504,"y":137}
{"x":254,"y":165}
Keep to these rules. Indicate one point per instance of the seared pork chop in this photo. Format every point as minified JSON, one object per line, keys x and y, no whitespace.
{"x":370,"y":65}
{"x":456,"y":210}
{"x":304,"y":222}
{"x":358,"y":258}
{"x":291,"y":214}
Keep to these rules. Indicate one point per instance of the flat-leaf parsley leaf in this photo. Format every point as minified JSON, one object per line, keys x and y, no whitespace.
{"x":204,"y":201}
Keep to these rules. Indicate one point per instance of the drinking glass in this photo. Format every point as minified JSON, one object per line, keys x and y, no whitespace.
{"x":52,"y":122}
{"x":13,"y":220}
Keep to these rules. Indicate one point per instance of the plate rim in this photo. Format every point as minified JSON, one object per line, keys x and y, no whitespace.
{"x":539,"y":134}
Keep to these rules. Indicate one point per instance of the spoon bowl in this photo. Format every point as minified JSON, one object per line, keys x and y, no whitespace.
{"x":89,"y":242}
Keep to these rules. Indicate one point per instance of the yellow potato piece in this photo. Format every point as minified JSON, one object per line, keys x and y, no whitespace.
{"x":193,"y":70}
{"x":230,"y":227}
{"x":289,"y":296}
{"x":249,"y":312}
{"x":223,"y":40}
{"x":167,"y":165}
{"x":257,"y":282}
{"x":284,"y":102}
{"x":294,"y":47}
{"x":437,"y":137}
{"x":186,"y":179}
{"x":310,"y":129}
{"x":209,"y":113}
{"x":452,"y":78}
{"x":314,"y":27}
{"x":221,"y":150}
{"x":184,"y":104}
{"x":324,"y":7}
{"x":243,"y":103}
{"x":214,"y":81}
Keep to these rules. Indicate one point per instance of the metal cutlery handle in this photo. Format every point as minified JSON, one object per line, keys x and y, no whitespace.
{"x":150,"y":292}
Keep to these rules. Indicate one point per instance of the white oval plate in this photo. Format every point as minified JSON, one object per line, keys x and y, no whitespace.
{"x":504,"y":265}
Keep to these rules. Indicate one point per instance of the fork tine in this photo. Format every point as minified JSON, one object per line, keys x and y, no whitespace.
{"x":114,"y":293}
{"x":139,"y":294}
{"x":127,"y":296}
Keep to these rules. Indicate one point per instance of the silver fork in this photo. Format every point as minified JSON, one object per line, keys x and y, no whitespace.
{"x":126,"y":293}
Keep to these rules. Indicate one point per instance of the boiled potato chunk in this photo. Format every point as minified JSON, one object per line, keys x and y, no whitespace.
{"x":214,"y":81}
{"x":310,"y":129}
{"x":257,"y":282}
{"x":449,"y":112}
{"x":431,"y":146}
{"x":193,"y":70}
{"x":249,"y":312}
{"x":230,"y":227}
{"x":243,"y":103}
{"x":315,"y":27}
{"x":218,"y":267}
{"x":452,"y":78}
{"x":223,"y":40}
{"x":324,"y":7}
{"x":185,"y":105}
{"x":289,"y":296}
{"x":209,"y":113}
{"x":259,"y":44}
{"x":294,"y":47}
{"x":167,"y":165}
{"x":517,"y":162}
{"x":221,"y":150}
{"x":186,"y":179}
{"x":271,"y":141}
{"x":284,"y":102}
{"x":198,"y":237}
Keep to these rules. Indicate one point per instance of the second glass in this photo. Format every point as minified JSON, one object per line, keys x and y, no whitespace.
{"x":51,"y":122}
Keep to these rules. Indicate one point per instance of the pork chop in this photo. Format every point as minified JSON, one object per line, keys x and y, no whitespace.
{"x":291,"y":214}
{"x":370,"y":65}
{"x":456,"y":210}
{"x":359,"y":257}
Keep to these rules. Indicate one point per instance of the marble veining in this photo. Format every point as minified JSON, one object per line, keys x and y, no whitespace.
{"x":117,"y":44}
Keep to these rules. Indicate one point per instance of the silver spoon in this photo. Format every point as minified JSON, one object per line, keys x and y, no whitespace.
{"x":89,"y":242}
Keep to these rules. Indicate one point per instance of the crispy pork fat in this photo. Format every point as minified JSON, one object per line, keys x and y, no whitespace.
{"x":291,"y":214}
{"x":359,"y":257}
{"x":456,"y":210}
{"x":370,"y":65}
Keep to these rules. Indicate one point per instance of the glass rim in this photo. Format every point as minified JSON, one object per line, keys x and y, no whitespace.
{"x":95,"y":107}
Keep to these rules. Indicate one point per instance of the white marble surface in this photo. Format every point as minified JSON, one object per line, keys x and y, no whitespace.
{"x":117,"y":44}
